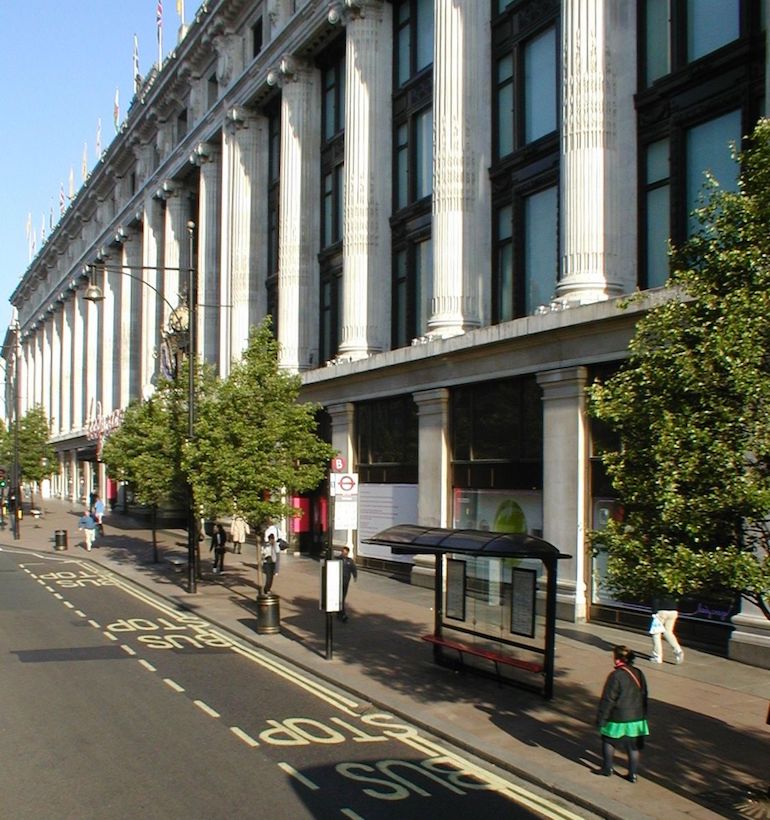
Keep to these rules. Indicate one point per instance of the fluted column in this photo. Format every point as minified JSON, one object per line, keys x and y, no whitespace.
{"x":46,"y":338}
{"x":78,"y":362}
{"x":461,"y":156}
{"x":176,"y":250}
{"x":56,"y":370}
{"x":152,"y":258}
{"x":565,"y":471}
{"x":208,"y":158}
{"x":90,"y":357}
{"x":299,"y":218}
{"x":244,"y":233}
{"x":130,"y":321}
{"x":589,"y":156}
{"x":368,"y":137}
{"x":68,"y":315}
{"x":107,"y":343}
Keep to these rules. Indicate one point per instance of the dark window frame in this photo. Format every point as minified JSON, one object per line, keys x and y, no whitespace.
{"x":391,"y":420}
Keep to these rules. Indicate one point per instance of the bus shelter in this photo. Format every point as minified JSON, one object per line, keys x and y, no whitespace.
{"x":495,"y":600}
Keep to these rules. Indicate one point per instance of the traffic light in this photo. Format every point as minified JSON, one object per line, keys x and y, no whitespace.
{"x":3,"y":482}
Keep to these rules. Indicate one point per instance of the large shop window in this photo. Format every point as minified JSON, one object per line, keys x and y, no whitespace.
{"x":497,"y":467}
{"x":387,"y":440}
{"x":525,"y":172}
{"x":702,"y":87}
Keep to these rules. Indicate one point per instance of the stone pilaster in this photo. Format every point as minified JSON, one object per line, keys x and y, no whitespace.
{"x":152,"y":258}
{"x":78,"y":360}
{"x":299,"y":217}
{"x":589,"y":158}
{"x":176,"y":251}
{"x":57,"y":398}
{"x":244,"y":234}
{"x":366,"y":249}
{"x":68,"y":317}
{"x":46,"y":339}
{"x":461,"y":152}
{"x":130,"y":319}
{"x":343,"y":431}
{"x":750,"y":639}
{"x":433,"y":420}
{"x":208,"y":158}
{"x":91,"y":359}
{"x":565,"y":471}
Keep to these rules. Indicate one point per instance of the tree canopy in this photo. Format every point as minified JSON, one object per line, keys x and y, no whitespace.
{"x":691,"y":407}
{"x":254,"y":440}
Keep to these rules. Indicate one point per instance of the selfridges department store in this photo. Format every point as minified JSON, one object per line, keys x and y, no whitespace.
{"x":440,"y":204}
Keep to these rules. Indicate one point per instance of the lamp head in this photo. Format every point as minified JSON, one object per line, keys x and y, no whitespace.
{"x":93,"y":294}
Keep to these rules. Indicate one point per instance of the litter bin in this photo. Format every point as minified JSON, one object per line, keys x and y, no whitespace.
{"x":268,"y":614}
{"x":60,"y":539}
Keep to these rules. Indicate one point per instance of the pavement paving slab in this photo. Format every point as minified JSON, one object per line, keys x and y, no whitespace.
{"x":709,"y":751}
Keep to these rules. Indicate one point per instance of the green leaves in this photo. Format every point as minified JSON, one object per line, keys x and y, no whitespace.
{"x":691,"y":408}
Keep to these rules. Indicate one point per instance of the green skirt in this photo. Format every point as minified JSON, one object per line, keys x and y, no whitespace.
{"x":631,"y":728}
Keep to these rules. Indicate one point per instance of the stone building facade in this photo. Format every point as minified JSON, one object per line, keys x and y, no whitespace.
{"x":439,"y":202}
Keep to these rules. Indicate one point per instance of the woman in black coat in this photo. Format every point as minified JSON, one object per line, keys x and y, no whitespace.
{"x":219,"y":545}
{"x":622,"y":715}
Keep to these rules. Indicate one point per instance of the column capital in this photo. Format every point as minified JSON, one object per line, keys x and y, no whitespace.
{"x":342,"y":11}
{"x":202,"y":153}
{"x":290,"y":69}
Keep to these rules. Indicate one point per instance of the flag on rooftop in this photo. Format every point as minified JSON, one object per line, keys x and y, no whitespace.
{"x":72,"y":183}
{"x":137,"y":75}
{"x":62,"y":199}
{"x":159,"y":24}
{"x":84,"y":164}
{"x":116,"y":110}
{"x":98,"y":148}
{"x":42,"y":232}
{"x":180,"y":10}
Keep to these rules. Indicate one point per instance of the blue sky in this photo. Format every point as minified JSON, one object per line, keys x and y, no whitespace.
{"x":61,"y":62}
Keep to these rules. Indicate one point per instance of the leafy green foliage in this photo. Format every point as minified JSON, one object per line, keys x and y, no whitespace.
{"x":254,"y":440}
{"x":692,"y":409}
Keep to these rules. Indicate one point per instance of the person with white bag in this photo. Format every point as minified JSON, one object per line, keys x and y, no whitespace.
{"x":665,"y":611}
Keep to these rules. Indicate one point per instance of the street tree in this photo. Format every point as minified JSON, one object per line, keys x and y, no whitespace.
{"x":37,"y":458}
{"x":691,"y":408}
{"x":146,"y":450}
{"x":255,"y":443}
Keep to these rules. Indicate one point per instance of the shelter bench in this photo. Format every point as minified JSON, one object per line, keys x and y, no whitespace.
{"x":487,"y":654}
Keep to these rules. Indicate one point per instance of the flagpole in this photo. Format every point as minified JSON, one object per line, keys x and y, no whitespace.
{"x":159,"y":24}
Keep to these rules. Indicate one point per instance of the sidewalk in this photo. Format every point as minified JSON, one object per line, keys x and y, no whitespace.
{"x":709,"y":750}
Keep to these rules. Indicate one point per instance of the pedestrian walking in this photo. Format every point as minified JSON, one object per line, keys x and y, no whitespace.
{"x":665,"y":611}
{"x":219,"y":546}
{"x":87,"y":525}
{"x":99,"y":514}
{"x":269,"y":560}
{"x":622,"y":713}
{"x":239,"y":529}
{"x":349,"y":570}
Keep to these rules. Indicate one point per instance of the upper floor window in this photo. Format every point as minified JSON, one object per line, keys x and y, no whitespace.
{"x":256,"y":37}
{"x":526,"y":104}
{"x":413,"y":21}
{"x":677,"y":32}
{"x":333,"y":104}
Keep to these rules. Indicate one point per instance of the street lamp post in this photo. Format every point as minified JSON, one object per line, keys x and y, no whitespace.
{"x":16,"y":418}
{"x":94,"y":294}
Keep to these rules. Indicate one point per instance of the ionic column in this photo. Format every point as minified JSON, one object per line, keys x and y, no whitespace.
{"x":78,"y":362}
{"x":152,"y":250}
{"x":244,"y":232}
{"x":461,"y":154}
{"x":589,"y":157}
{"x":68,"y":314}
{"x":176,"y":246}
{"x":130,"y":320}
{"x":46,"y":339}
{"x":107,"y":343}
{"x":368,"y":137}
{"x":206,"y":156}
{"x":57,"y":397}
{"x":565,"y":470}
{"x":90,"y":357}
{"x":299,"y":217}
